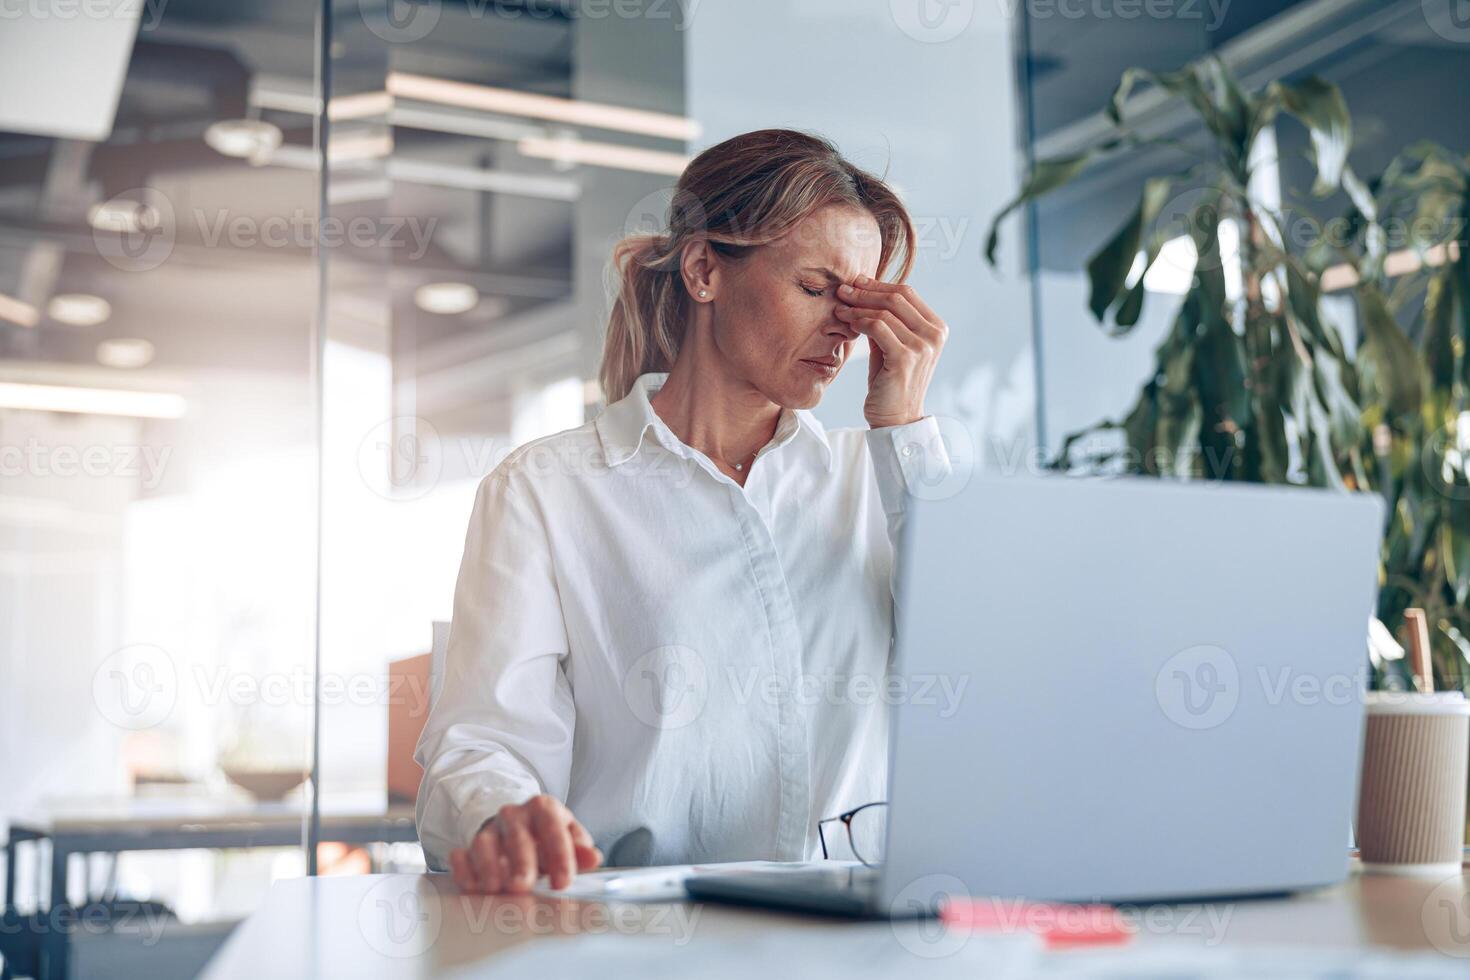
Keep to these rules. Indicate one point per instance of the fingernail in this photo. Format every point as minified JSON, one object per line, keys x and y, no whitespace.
{"x":845,"y":289}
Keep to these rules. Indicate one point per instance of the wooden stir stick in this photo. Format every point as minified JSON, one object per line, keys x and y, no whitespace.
{"x":1418,"y":625}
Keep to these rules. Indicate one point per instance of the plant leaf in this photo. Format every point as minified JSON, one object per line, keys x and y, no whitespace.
{"x":1438,"y":340}
{"x":1192,"y":83}
{"x":1319,"y":105}
{"x":1345,"y":425}
{"x":1359,"y":193}
{"x":1233,"y":108}
{"x":1045,"y":176}
{"x":1389,"y":354}
{"x":1108,"y":269}
{"x":1455,"y":550}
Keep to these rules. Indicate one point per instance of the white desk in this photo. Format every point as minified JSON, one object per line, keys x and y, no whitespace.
{"x":420,"y":926}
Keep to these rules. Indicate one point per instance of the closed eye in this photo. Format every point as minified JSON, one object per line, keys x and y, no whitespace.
{"x":813,"y":292}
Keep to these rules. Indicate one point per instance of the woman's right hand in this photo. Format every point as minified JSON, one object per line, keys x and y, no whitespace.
{"x":519,"y":844}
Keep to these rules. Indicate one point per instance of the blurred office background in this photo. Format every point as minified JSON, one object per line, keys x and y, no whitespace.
{"x":281,"y":281}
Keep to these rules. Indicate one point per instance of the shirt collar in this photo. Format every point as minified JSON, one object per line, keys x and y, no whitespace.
{"x":623,"y":425}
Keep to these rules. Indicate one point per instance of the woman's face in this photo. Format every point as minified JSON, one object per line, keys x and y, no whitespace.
{"x":774,"y":313}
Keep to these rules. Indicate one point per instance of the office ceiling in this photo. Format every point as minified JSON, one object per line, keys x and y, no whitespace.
{"x":228,"y":295}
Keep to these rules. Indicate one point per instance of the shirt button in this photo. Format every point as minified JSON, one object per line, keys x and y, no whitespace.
{"x":908,"y":450}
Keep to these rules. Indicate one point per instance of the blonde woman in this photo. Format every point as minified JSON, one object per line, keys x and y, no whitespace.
{"x":670,"y":621}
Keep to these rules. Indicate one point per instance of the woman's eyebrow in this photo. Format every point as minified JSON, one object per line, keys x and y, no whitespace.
{"x":831,"y":276}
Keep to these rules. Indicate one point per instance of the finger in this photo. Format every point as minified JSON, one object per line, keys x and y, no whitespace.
{"x":882,"y":336}
{"x":901,"y":330}
{"x":520,"y":850}
{"x":903,"y":289}
{"x":588,"y":856}
{"x":554,"y":843}
{"x":461,"y":870}
{"x":485,"y":857}
{"x":892,"y":298}
{"x":903,"y":303}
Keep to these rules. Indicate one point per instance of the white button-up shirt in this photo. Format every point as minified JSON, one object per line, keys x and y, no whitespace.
{"x":645,"y":639}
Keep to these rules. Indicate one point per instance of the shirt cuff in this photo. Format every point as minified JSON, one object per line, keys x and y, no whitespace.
{"x":907,"y":458}
{"x":466,"y":823}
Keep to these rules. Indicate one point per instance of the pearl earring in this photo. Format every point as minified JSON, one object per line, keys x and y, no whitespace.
{"x":703,"y":293}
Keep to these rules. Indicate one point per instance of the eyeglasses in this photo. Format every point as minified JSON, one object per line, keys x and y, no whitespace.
{"x":867,"y":829}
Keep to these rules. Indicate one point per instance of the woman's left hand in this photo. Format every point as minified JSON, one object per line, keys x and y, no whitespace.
{"x":905,"y":337}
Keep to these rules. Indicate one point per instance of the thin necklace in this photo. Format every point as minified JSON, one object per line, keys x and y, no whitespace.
{"x":741,"y":465}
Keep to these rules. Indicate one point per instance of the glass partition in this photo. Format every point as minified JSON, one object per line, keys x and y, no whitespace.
{"x":158,"y":512}
{"x":491,"y":150}
{"x":450,"y":338}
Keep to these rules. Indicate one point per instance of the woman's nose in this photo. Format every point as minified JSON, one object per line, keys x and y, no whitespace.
{"x":841,"y":328}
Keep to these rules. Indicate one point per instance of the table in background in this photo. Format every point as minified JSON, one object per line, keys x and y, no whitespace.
{"x":112,"y":825}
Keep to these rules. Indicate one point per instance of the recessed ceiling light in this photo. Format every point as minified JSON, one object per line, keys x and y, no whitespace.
{"x":246,"y":139}
{"x":446,"y":297}
{"x":125,"y":352}
{"x":79,"y":309}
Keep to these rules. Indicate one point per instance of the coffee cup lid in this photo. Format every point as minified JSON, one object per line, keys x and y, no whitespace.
{"x":1417,"y":703}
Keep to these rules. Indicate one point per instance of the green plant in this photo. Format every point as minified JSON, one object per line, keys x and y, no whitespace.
{"x":1255,"y":382}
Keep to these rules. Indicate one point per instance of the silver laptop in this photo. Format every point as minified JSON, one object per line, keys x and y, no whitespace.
{"x":1162,"y":697}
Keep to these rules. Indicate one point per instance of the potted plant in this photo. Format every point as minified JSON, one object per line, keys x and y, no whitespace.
{"x":1255,"y":382}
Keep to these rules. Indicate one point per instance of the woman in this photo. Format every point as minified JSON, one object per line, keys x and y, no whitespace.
{"x":663,"y":616}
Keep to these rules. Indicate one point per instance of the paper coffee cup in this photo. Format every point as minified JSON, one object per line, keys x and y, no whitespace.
{"x":1411,"y":802}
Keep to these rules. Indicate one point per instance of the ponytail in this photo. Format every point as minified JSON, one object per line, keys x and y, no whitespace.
{"x":647,"y":319}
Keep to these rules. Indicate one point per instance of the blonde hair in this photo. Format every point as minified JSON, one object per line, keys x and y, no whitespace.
{"x":738,"y":195}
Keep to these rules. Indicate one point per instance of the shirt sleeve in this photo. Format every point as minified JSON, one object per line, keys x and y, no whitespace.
{"x":500,"y":729}
{"x":907,"y":459}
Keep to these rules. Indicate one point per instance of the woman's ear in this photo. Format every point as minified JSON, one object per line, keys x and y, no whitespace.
{"x":700,"y":269}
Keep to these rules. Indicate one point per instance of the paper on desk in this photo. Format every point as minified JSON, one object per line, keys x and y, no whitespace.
{"x":659,"y":884}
